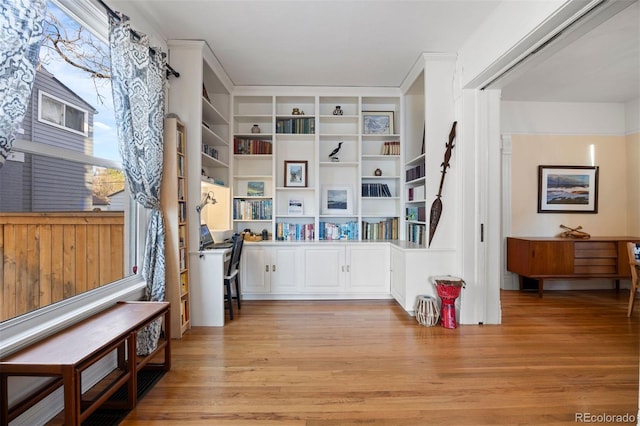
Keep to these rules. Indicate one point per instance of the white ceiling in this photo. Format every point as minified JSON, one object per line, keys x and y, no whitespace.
{"x":603,"y":65}
{"x":376,"y":42}
{"x":318,"y":42}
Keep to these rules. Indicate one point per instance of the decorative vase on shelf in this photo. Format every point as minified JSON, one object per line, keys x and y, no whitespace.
{"x":338,"y":110}
{"x":255,"y":129}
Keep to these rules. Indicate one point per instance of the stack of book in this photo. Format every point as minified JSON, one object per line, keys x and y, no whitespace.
{"x":252,"y":146}
{"x":252,"y":209}
{"x":383,"y":230}
{"x":338,"y":231}
{"x":375,"y":190}
{"x":295,"y":231}
{"x":391,"y":148}
{"x":296,"y":125}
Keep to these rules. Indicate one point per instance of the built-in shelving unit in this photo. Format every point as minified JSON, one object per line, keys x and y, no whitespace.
{"x":174,"y":202}
{"x":304,"y":130}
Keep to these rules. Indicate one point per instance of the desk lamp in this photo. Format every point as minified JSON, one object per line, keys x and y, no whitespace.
{"x":207,"y":198}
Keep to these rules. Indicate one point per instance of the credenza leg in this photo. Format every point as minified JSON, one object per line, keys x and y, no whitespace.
{"x":540,"y":287}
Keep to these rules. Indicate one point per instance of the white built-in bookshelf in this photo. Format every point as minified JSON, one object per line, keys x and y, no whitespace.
{"x":297,"y":134}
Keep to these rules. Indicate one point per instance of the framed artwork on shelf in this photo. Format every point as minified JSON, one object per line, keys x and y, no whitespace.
{"x":295,"y":173}
{"x":295,"y":207}
{"x":255,"y":189}
{"x":337,"y":199}
{"x":377,"y":122}
{"x":567,"y":189}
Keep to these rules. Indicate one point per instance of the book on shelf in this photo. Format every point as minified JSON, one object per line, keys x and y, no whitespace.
{"x":391,"y":148}
{"x":180,"y":147}
{"x":338,"y":231}
{"x":416,"y":233}
{"x":382,"y":230}
{"x":295,"y":231}
{"x":303,"y":125}
{"x":183,"y":259}
{"x":252,"y":209}
{"x":375,"y":190}
{"x":252,"y":146}
{"x":416,"y":213}
{"x":180,"y":166}
{"x":184,"y":283}
{"x":415,"y":172}
{"x":416,"y":193}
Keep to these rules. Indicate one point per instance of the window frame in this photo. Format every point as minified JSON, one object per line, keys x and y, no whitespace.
{"x":23,"y":330}
{"x":65,"y":104}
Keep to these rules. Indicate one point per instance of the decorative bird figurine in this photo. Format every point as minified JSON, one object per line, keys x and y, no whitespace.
{"x":334,"y":153}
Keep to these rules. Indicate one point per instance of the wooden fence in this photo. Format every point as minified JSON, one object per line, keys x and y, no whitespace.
{"x":47,"y":257}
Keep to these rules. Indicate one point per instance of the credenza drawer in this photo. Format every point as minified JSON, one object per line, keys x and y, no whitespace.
{"x":595,"y":249}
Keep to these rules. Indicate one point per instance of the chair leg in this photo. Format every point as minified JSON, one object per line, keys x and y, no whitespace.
{"x":632,"y":297}
{"x":229,"y":298}
{"x":238,"y":291}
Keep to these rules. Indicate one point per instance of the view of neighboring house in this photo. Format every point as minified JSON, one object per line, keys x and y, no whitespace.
{"x":59,"y":118}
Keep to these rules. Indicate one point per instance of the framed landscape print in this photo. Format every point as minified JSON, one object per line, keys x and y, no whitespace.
{"x":567,"y":189}
{"x":337,"y":200}
{"x":377,"y":122}
{"x":295,"y":173}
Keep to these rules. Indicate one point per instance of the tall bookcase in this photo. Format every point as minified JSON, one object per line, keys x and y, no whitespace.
{"x":302,"y":130}
{"x":174,"y":203}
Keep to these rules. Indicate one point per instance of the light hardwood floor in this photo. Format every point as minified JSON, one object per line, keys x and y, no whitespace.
{"x":367,"y":362}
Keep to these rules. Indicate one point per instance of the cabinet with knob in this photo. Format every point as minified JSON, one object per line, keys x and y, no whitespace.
{"x":270,"y":270}
{"x":347,"y":269}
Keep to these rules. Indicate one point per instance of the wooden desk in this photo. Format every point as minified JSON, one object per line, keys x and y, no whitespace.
{"x":66,"y":354}
{"x":561,"y":258}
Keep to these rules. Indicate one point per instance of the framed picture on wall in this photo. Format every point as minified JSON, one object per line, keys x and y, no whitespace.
{"x":295,"y":173}
{"x":567,"y":189}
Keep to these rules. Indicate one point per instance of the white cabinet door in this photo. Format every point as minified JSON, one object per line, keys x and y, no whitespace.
{"x":286,"y":269}
{"x":397,"y":275}
{"x":324,"y":269}
{"x":255,"y":270}
{"x":368,"y":268}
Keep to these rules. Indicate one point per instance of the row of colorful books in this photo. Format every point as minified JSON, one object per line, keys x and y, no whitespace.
{"x":376,"y":190}
{"x":382,"y":230}
{"x":338,"y":231}
{"x":252,"y":209}
{"x":252,"y":146}
{"x":416,"y":232}
{"x":295,"y":231}
{"x":296,"y":125}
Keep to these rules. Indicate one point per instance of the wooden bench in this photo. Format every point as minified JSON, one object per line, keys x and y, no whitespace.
{"x":65,"y":355}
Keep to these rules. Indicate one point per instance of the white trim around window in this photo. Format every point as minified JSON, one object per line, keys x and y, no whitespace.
{"x":63,"y":118}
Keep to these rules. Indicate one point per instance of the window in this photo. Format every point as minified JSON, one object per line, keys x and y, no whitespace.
{"x":62,"y":195}
{"x":58,"y":113}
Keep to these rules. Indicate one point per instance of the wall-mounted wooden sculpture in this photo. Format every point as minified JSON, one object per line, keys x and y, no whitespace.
{"x":436,"y":207}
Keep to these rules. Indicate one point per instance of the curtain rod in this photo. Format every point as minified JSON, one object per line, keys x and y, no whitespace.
{"x":114,"y":15}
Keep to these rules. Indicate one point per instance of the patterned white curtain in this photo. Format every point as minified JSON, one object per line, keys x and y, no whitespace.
{"x":20,"y":36}
{"x":138,"y":82}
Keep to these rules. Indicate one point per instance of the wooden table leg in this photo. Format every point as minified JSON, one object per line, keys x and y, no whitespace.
{"x":4,"y":400}
{"x":71,"y":383}
{"x":132,"y":399}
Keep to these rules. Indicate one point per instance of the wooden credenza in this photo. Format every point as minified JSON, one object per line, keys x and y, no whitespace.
{"x":560,"y":258}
